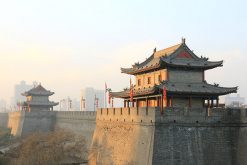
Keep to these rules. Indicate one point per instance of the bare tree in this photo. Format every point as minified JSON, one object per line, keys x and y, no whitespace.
{"x":52,"y":148}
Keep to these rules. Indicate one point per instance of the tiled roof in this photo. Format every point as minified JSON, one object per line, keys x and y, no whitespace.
{"x":201,"y":89}
{"x":149,"y":64}
{"x":167,"y":51}
{"x":33,"y":103}
{"x":168,"y":58}
{"x":191,"y":63}
{"x":140,"y":92}
{"x":38,"y":90}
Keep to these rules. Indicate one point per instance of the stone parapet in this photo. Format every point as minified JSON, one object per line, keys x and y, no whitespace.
{"x":137,"y":115}
{"x":76,"y":115}
{"x":173,"y":115}
{"x":23,"y":123}
{"x":4,"y":120}
{"x":15,"y":122}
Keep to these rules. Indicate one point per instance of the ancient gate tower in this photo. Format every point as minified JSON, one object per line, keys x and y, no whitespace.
{"x":38,"y":99}
{"x":171,"y":116}
{"x":179,"y":72}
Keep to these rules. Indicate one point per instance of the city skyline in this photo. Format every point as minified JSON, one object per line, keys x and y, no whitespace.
{"x":59,"y":45}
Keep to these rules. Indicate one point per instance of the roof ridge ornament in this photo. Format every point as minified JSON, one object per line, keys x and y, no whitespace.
{"x":35,"y":84}
{"x":216,"y":85}
{"x":183,"y":40}
{"x":154,"y":49}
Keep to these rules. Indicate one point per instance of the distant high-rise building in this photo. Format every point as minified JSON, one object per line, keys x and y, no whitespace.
{"x":75,"y":105}
{"x":68,"y":104}
{"x":92,"y":99}
{"x":234,"y":101}
{"x":2,"y":105}
{"x":19,"y":89}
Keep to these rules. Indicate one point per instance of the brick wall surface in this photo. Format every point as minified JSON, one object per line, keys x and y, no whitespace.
{"x":175,"y":137}
{"x":148,"y":135}
{"x":185,"y":76}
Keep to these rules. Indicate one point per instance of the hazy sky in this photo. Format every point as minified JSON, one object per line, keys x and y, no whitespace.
{"x":69,"y":45}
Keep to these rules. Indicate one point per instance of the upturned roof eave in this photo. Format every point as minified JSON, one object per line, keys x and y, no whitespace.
{"x":210,"y":65}
{"x":37,"y":94}
{"x":201,"y":89}
{"x":139,"y":70}
{"x":212,"y":91}
{"x":38,"y":90}
{"x":25,"y":94}
{"x":203,"y":94}
{"x":136,"y":93}
{"x":50,"y":103}
{"x":165,"y":64}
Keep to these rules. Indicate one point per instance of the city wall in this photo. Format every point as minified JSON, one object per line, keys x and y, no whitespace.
{"x":4,"y":120}
{"x":80,"y":122}
{"x":23,"y":123}
{"x":174,"y":137}
{"x":147,"y":136}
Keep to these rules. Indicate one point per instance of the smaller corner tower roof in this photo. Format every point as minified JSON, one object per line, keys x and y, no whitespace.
{"x":38,"y":90}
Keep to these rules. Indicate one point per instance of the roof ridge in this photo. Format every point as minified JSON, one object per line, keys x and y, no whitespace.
{"x":167,"y":51}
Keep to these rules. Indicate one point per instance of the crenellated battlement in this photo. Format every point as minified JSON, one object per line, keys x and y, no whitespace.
{"x":23,"y":122}
{"x":173,"y":115}
{"x":127,"y":114}
{"x":76,"y":115}
{"x":172,"y":136}
{"x":146,"y":134}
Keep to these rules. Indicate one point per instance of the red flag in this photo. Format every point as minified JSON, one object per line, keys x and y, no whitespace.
{"x":164,"y":92}
{"x":109,"y":98}
{"x":131,"y":91}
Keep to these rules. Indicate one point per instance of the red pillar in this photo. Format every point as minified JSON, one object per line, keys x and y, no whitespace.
{"x":189,"y":102}
{"x":168,"y":102}
{"x":162,"y":104}
{"x":212,"y":103}
{"x":208,"y":103}
{"x":171,"y":101}
{"x":158,"y":101}
{"x":167,"y":75}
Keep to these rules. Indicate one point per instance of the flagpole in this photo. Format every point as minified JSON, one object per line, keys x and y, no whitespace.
{"x":131,"y":92}
{"x":105,"y":94}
